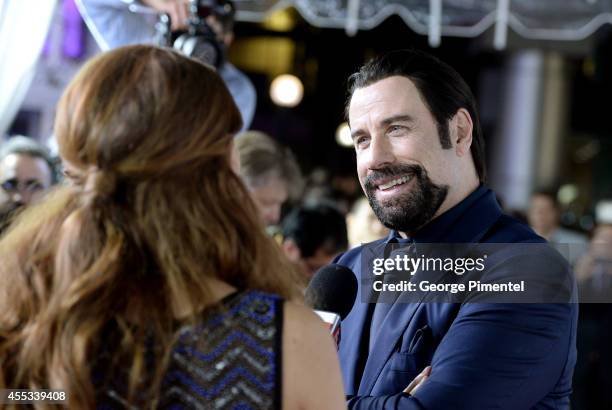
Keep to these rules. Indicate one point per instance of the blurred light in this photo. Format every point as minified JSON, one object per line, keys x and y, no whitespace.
{"x":263,"y":54}
{"x":588,"y":67}
{"x":286,"y":90}
{"x":603,"y":212}
{"x":343,"y":135}
{"x":587,"y":152}
{"x":567,"y":194}
{"x":281,"y":20}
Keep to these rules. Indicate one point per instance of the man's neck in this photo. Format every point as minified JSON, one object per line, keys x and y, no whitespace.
{"x":452,"y":199}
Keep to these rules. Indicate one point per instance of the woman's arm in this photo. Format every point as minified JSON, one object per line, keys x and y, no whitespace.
{"x":311,"y":371}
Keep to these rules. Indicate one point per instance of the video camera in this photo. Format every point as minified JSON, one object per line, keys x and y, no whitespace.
{"x":200,"y":41}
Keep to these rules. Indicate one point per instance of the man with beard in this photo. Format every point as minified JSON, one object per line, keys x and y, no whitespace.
{"x":420,"y":161}
{"x":26,"y":173}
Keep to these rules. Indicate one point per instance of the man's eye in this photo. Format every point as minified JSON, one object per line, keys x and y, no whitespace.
{"x":34,"y":187}
{"x":9,"y":185}
{"x":395,"y":129}
{"x":361,"y":141}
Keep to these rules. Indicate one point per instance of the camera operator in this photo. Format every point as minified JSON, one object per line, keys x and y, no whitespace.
{"x":115,"y":23}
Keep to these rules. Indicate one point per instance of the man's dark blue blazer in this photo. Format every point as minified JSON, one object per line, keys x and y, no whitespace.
{"x":483,"y":355}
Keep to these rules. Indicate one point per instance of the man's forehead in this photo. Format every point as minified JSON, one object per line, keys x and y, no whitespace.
{"x":391,"y":96}
{"x":28,"y":165}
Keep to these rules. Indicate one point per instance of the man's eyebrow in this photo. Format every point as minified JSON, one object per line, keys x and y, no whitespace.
{"x":357,"y":133}
{"x":397,"y":118}
{"x":387,"y":121}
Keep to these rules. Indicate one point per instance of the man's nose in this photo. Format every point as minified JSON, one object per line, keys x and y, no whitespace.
{"x":23,"y":197}
{"x":381,"y":153}
{"x":17,"y":197}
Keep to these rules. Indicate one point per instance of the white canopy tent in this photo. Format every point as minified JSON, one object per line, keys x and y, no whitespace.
{"x":533,"y":19}
{"x":23,"y":29}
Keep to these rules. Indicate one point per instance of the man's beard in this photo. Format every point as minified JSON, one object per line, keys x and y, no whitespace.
{"x":409,"y":211}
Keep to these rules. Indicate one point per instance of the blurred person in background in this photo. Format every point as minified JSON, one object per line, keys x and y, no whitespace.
{"x":318,"y":187}
{"x":345,"y":190}
{"x":127,"y":286}
{"x":592,"y":378}
{"x":544,"y":215}
{"x":270,"y":172}
{"x":26,"y":173}
{"x":312,"y":236}
{"x":113,"y":24}
{"x":325,"y":185}
{"x":596,"y":265}
{"x":594,"y":271}
{"x":363,"y":225}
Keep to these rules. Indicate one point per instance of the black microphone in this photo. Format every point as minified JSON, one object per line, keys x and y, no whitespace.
{"x":331,"y":293}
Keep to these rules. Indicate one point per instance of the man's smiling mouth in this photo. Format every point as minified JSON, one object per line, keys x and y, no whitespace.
{"x":394,"y":182}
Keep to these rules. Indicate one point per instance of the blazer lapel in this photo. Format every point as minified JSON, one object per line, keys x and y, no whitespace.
{"x":392,"y":329}
{"x":353,"y":326}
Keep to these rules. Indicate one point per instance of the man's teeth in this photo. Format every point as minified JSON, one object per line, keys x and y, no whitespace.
{"x":394,"y":182}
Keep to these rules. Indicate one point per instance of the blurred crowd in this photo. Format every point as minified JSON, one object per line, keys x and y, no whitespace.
{"x":312,"y":219}
{"x":316,"y":217}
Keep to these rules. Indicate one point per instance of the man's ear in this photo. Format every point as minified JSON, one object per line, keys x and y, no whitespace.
{"x":292,"y":251}
{"x":462,"y":135}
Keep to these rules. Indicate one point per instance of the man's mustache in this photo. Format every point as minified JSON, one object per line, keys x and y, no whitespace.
{"x":411,"y":170}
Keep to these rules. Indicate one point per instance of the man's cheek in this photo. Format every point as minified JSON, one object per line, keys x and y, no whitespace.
{"x":361,"y":174}
{"x":36,"y":197}
{"x":362,"y":185}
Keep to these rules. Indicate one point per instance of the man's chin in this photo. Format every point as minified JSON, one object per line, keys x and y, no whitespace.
{"x":392,"y":218}
{"x":394,"y":203}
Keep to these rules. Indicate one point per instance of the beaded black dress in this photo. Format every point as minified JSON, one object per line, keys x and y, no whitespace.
{"x":232,"y":360}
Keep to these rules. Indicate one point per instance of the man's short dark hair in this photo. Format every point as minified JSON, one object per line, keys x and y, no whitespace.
{"x":442,"y":88}
{"x":313,"y":227}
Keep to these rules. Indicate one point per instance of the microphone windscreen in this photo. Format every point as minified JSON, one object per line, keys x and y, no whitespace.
{"x":333,"y":289}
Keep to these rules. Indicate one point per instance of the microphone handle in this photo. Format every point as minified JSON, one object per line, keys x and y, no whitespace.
{"x":332,"y":320}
